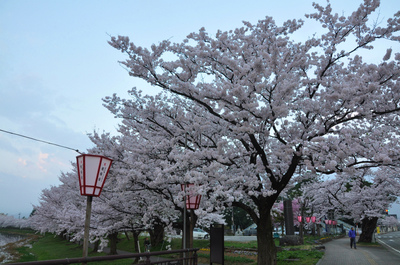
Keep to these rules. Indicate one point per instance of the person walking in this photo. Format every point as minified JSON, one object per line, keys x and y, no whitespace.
{"x":352,"y":235}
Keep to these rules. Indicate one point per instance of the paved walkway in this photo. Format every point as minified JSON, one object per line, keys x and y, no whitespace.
{"x":338,"y":251}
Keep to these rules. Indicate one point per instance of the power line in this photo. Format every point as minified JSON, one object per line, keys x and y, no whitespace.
{"x":34,"y":139}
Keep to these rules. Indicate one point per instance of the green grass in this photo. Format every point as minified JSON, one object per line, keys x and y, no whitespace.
{"x":26,"y":254}
{"x":231,"y":260}
{"x":50,"y":247}
{"x":12,"y":248}
{"x":299,"y":257}
{"x":303,"y":256}
{"x":249,"y":244}
{"x":176,"y":243}
{"x":53,"y":247}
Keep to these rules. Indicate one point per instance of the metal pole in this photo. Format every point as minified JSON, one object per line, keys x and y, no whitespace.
{"x":184,"y":212}
{"x":87,"y":225}
{"x":184,"y":222}
{"x":233,"y":223}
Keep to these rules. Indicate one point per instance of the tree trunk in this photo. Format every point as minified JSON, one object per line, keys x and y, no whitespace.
{"x":113,"y":243}
{"x":368,"y":227}
{"x":96,"y":246}
{"x":127,"y":236}
{"x":63,"y":235}
{"x":157,"y":234}
{"x":266,"y":244}
{"x":188,"y":231}
{"x":283,"y":227}
{"x":193,"y":221}
{"x":135,"y":235}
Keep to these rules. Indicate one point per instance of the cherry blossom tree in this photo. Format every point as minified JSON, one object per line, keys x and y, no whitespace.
{"x":154,"y":177}
{"x":362,"y":197}
{"x":121,"y":206}
{"x":140,"y":208}
{"x":131,"y":199}
{"x":254,"y":105}
{"x":61,"y":208}
{"x":389,"y":221}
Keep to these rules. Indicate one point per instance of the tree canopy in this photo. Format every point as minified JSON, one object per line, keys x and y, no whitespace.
{"x":243,"y":113}
{"x":254,"y":105}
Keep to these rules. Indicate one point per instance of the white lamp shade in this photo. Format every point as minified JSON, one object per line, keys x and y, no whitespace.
{"x":92,"y":172}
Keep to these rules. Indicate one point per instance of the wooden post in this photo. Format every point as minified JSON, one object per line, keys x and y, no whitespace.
{"x":87,"y":226}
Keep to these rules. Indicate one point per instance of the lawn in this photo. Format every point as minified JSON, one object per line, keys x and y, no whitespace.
{"x":49,"y":246}
{"x":53,"y":247}
{"x":240,"y":252}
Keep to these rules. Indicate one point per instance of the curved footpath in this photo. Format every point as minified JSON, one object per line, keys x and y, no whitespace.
{"x":338,"y":251}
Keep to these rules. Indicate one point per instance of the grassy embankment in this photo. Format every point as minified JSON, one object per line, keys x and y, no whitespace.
{"x":48,"y":247}
{"x":12,"y":248}
{"x":52,"y":247}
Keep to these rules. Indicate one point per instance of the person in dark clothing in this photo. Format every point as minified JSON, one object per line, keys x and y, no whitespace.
{"x":352,"y":235}
{"x":147,"y":244}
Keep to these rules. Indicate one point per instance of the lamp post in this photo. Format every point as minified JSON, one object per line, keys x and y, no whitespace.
{"x":92,"y":172}
{"x":192,"y":202}
{"x":301,"y":220}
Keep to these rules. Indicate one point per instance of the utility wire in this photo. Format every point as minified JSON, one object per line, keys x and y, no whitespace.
{"x":34,"y":139}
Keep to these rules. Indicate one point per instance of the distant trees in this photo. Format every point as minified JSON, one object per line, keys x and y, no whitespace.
{"x":7,"y":221}
{"x":362,"y":196}
{"x":238,"y":218}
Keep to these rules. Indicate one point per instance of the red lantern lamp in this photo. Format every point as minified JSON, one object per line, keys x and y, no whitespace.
{"x":192,"y":200}
{"x":308,"y":219}
{"x":92,"y":172}
{"x":313,"y":219}
{"x":299,"y":218}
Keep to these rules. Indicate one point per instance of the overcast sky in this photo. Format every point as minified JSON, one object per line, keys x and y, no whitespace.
{"x":56,"y":66}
